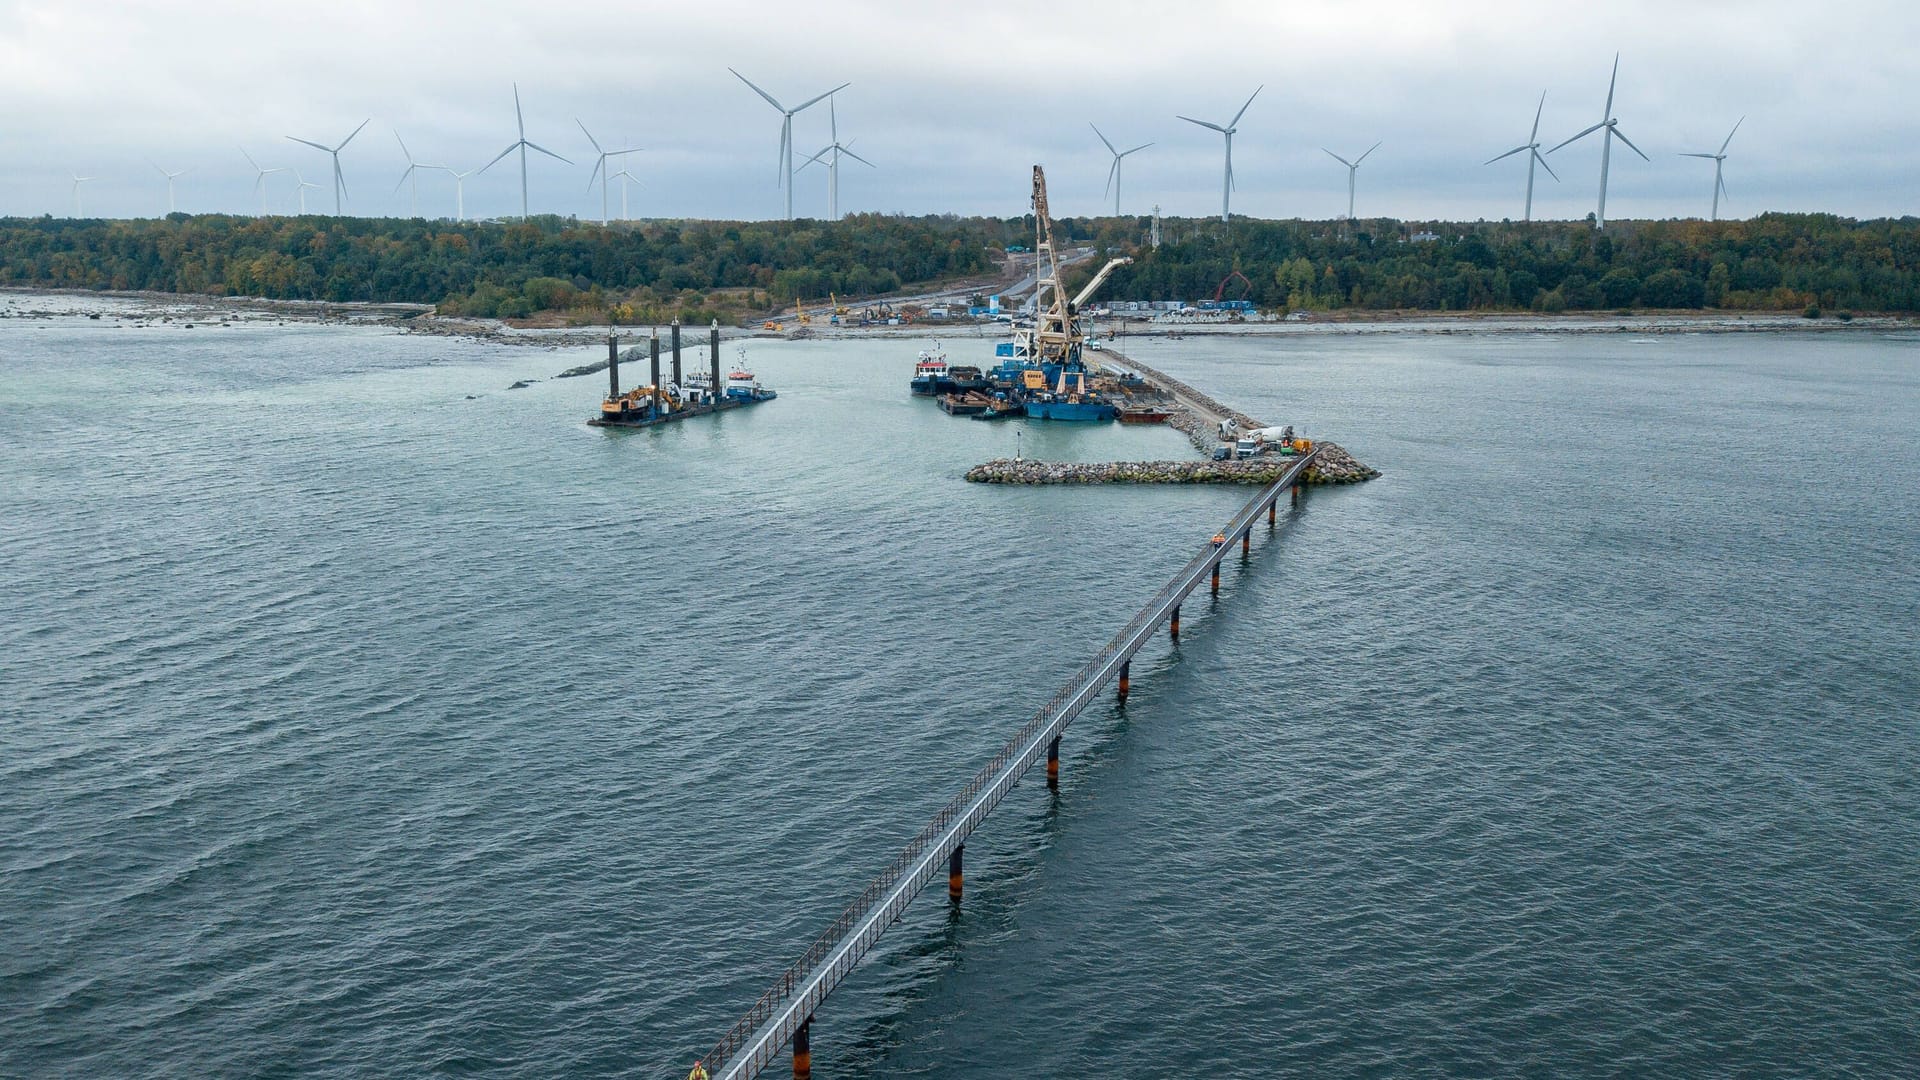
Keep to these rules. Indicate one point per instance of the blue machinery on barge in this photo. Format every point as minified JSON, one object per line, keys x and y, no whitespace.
{"x":783,"y":1015}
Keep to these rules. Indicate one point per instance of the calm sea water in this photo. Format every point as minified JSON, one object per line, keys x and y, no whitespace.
{"x":362,"y":716}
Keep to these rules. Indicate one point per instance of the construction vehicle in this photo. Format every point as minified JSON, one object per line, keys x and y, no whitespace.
{"x":838,"y":307}
{"x":801,"y":313}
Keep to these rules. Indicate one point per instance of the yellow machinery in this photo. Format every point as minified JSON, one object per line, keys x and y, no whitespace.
{"x":801,"y":314}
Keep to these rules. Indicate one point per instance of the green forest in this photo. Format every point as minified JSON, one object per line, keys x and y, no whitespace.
{"x":697,"y":270}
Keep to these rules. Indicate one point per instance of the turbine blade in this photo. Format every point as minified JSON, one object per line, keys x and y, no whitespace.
{"x":628,"y":150}
{"x":404,"y":152}
{"x":518,"y":117}
{"x":1103,"y":139}
{"x":858,"y":158}
{"x":1544,"y":165}
{"x":356,"y":131}
{"x":1336,"y":157}
{"x":313,"y":144}
{"x":589,"y":135}
{"x":1537,"y":109}
{"x":598,"y":166}
{"x":249,"y":157}
{"x":1709,"y":156}
{"x":1111,"y":169}
{"x":503,"y":153}
{"x":1515,"y":150}
{"x":1615,"y":77}
{"x":1615,"y":132}
{"x":403,"y":179}
{"x":1202,"y":123}
{"x":1363,"y":157}
{"x":549,"y":153}
{"x":1235,"y":122}
{"x":1736,"y":127}
{"x":822,"y":97}
{"x":1582,"y":135}
{"x":759,"y":91}
{"x":1137,"y":149}
{"x":816,"y":157}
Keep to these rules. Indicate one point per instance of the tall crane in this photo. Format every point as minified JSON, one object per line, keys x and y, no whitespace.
{"x":1056,"y":335}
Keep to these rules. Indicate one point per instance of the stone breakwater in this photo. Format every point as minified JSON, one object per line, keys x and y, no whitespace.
{"x":1333,"y":466}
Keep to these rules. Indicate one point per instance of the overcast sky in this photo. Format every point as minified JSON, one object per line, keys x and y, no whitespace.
{"x":954,"y":103}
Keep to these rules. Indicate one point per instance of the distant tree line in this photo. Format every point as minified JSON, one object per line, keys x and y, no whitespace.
{"x":642,"y":272}
{"x":1772,"y":262}
{"x":697,"y":270}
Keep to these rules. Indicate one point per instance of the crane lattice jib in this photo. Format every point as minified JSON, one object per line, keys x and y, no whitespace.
{"x":1053,"y":334}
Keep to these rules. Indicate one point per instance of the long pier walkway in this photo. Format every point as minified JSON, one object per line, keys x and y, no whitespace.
{"x":784,"y":1014}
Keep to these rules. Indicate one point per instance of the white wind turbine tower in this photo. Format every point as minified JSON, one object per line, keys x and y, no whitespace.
{"x":833,"y":164}
{"x":302,"y":184}
{"x":600,"y":166}
{"x":260,"y":178}
{"x":623,"y":176}
{"x":339,"y":178}
{"x":413,"y":197}
{"x":523,"y":146}
{"x":786,"y":130}
{"x":171,"y":177}
{"x":1226,"y":186}
{"x":459,"y":189}
{"x":1113,"y":174}
{"x":1612,"y":127}
{"x":77,"y":181}
{"x":1719,"y":159}
{"x":1353,"y":169}
{"x":1532,"y":149}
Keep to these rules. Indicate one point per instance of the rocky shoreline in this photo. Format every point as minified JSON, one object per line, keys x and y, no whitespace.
{"x":1333,"y":466}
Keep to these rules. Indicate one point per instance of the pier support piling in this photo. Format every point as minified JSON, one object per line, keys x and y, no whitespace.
{"x":1296,"y":495}
{"x":1173,"y":627}
{"x":954,"y":880}
{"x":613,"y":365}
{"x":1053,"y":763}
{"x":803,"y":1051}
{"x":1216,"y":579}
{"x":1271,"y":507}
{"x":713,"y":353}
{"x":1246,"y":542}
{"x":1126,"y":669}
{"x":655,"y":344}
{"x":676,"y":354}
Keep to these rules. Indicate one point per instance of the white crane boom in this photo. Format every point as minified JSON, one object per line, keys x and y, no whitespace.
{"x":1100,"y":279}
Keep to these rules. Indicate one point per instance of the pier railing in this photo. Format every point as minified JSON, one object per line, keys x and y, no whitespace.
{"x":757,"y":1038}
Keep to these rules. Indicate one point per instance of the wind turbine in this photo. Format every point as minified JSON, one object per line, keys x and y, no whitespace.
{"x":77,"y":181}
{"x":1353,"y":170}
{"x":623,"y":176}
{"x":302,"y":185}
{"x":1612,"y":127}
{"x":339,"y":178}
{"x":260,"y":178}
{"x":786,"y":130}
{"x":600,"y":166}
{"x":1113,"y":174}
{"x":459,"y":189}
{"x":522,"y":145}
{"x":1226,"y":185}
{"x":1532,"y":148}
{"x":413,"y":197}
{"x":833,"y":165}
{"x":1719,"y":159}
{"x":171,"y":177}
